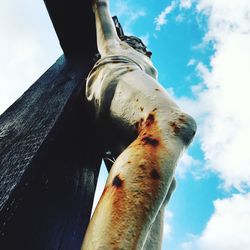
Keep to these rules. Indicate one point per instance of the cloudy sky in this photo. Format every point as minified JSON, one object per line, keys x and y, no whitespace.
{"x":201,"y":49}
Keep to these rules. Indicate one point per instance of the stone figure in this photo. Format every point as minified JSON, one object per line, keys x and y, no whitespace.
{"x":144,"y":131}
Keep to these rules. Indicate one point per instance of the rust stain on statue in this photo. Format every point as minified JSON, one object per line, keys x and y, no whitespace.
{"x":142,"y":166}
{"x":154,"y":174}
{"x":118,"y":200}
{"x":148,"y":131}
{"x":146,"y":154}
{"x":175,"y":127}
{"x":117,"y":182}
{"x":129,"y":69}
{"x":152,"y":150}
{"x":150,"y":141}
{"x":138,"y":125}
{"x":150,"y":119}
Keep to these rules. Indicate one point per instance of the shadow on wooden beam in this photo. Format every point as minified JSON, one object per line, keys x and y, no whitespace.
{"x":74,"y":24}
{"x":49,"y":163}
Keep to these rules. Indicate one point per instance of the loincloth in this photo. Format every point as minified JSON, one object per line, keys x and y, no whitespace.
{"x":113,"y":59}
{"x":103,"y":78}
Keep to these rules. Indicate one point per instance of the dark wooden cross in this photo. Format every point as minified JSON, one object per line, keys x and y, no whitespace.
{"x":49,"y":159}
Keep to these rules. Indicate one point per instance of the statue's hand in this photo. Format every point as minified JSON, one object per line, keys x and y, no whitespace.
{"x":99,"y":2}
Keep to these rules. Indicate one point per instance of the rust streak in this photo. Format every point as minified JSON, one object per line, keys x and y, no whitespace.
{"x":151,"y":141}
{"x":150,"y":120}
{"x":138,"y":125}
{"x":142,"y":166}
{"x":147,"y":151}
{"x":117,"y":182}
{"x":154,"y":174}
{"x":175,"y":127}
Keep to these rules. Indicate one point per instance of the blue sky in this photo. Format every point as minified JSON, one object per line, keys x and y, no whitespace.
{"x":201,"y":49}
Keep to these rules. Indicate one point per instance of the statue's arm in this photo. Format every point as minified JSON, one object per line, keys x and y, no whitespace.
{"x":105,"y":29}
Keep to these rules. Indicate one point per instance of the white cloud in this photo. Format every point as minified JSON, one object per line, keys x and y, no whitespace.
{"x":179,"y":18}
{"x":226,"y":17}
{"x":187,"y":164}
{"x":162,"y":18}
{"x":168,"y":215}
{"x":225,"y":132}
{"x":222,"y":99}
{"x":127,"y":14}
{"x":221,"y":109}
{"x":24,"y":51}
{"x":191,"y":62}
{"x":145,"y":39}
{"x":186,"y":4}
{"x":103,"y":175}
{"x":228,"y":227}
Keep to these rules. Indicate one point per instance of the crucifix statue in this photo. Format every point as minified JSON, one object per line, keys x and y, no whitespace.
{"x":126,"y":97}
{"x":77,"y":113}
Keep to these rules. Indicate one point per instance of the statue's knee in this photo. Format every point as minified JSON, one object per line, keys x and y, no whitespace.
{"x":184,"y":127}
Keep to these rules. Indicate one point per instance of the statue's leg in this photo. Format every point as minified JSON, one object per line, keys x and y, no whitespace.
{"x":141,"y":175}
{"x":107,"y":37}
{"x":155,"y":235}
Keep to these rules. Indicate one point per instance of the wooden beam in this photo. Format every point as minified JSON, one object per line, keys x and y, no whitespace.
{"x":49,"y":154}
{"x":49,"y":162}
{"x":74,"y":24}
